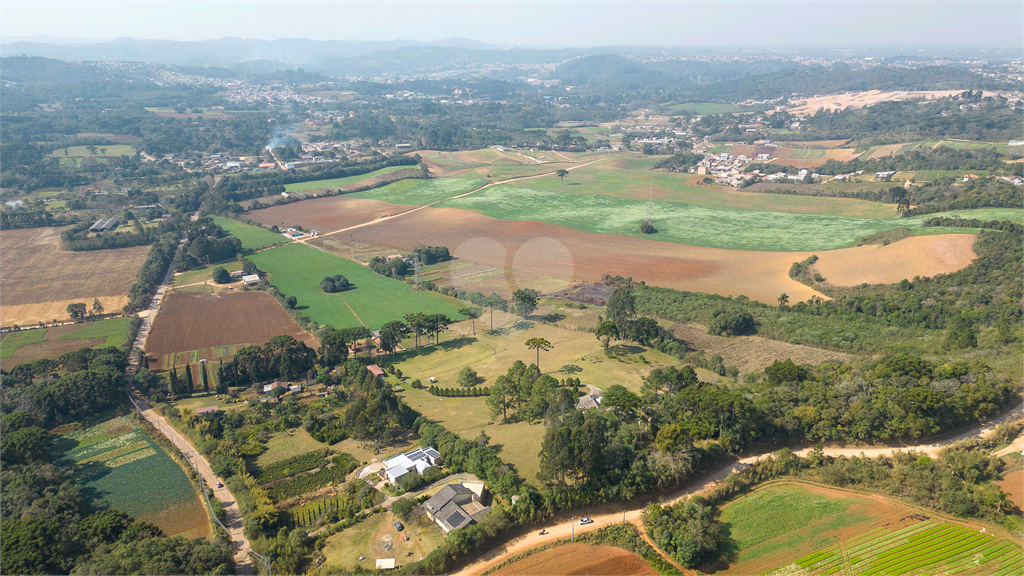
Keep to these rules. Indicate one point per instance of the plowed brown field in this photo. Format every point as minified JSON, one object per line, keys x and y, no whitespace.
{"x":914,"y":256}
{"x":40,"y":279}
{"x":579,"y":559}
{"x":1013,"y":484}
{"x":201,"y":321}
{"x":751,"y":353}
{"x":327,"y":214}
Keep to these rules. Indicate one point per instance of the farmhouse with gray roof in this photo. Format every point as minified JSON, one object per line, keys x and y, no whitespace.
{"x":457,"y":505}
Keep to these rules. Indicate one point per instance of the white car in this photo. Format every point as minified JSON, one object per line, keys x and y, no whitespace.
{"x":584,"y":521}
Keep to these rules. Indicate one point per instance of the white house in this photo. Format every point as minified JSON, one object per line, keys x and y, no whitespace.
{"x":419,"y":460}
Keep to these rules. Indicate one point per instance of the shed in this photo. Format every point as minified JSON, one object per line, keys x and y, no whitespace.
{"x":251,"y":279}
{"x":375,"y":370}
{"x":385,"y":564}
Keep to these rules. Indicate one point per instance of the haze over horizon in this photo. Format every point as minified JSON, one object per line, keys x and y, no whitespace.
{"x":541,"y":24}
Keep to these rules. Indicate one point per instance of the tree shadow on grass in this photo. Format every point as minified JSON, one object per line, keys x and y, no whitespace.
{"x":730,"y":551}
{"x":523,"y":325}
{"x":570,"y":369}
{"x":622,"y":349}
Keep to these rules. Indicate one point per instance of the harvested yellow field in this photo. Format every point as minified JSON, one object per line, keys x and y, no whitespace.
{"x":868,"y":98}
{"x":915,"y":256}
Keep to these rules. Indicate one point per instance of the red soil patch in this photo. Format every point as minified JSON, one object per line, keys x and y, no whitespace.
{"x":327,"y":214}
{"x":1013,"y":484}
{"x":484,"y":240}
{"x":915,"y":256}
{"x":579,"y":559}
{"x":200,"y":321}
{"x":752,"y":353}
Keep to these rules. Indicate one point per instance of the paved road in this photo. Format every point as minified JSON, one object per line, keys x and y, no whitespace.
{"x":243,"y":561}
{"x":563,"y":529}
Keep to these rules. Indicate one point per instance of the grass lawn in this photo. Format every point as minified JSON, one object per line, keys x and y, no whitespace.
{"x":691,"y":224}
{"x":417,"y":192}
{"x":574,"y":353}
{"x":336,"y":182}
{"x":285,"y":445}
{"x":296,"y":270}
{"x":252,"y":237}
{"x":204,"y":274}
{"x":370,"y":537}
{"x":102,"y":151}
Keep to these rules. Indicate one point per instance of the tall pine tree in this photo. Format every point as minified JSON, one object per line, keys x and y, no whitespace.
{"x":204,"y":377}
{"x":174,"y":381}
{"x":188,"y":379}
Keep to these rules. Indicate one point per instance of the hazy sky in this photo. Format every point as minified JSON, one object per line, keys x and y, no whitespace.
{"x":536,"y":23}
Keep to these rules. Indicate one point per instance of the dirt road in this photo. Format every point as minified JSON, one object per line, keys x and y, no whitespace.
{"x":560,"y":530}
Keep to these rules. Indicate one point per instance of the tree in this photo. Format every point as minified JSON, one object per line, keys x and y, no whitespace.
{"x":620,"y":400}
{"x":97,"y":307}
{"x":472,"y":312}
{"x":500,"y":398}
{"x":221,"y":275}
{"x":467,"y":377}
{"x":204,"y":377}
{"x":77,"y":311}
{"x":174,"y":381}
{"x":391,"y":335}
{"x":492,"y":301}
{"x":249,"y":268}
{"x":783,"y":300}
{"x":526,"y":301}
{"x":333,"y":348}
{"x":402,"y":508}
{"x":621,"y":308}
{"x":417,"y":322}
{"x":538,"y":344}
{"x":606,"y":329}
{"x":562,"y":174}
{"x":334,"y":284}
{"x":188,"y":379}
{"x":291,"y":302}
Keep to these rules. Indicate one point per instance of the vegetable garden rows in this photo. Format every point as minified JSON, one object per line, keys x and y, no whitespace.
{"x":925,"y":547}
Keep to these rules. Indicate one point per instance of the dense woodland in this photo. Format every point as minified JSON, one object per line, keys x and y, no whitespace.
{"x":48,"y":524}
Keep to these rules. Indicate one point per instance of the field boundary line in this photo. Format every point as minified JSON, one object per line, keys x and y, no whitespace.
{"x":353,"y":311}
{"x":418,"y":208}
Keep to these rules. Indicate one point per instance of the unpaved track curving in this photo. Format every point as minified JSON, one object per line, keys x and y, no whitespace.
{"x":563,"y":529}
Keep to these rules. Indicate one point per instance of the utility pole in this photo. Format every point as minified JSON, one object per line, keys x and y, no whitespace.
{"x":572,"y":526}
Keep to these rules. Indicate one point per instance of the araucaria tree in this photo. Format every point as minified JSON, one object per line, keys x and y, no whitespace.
{"x":471,"y":312}
{"x":538,"y":344}
{"x":526,"y":301}
{"x":561,"y":175}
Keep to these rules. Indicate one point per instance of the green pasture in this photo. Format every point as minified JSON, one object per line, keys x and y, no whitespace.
{"x":690,"y":224}
{"x":338,"y":182}
{"x":783,"y":517}
{"x":205,"y":274}
{"x":369,"y":537}
{"x":704,"y":108}
{"x":115,"y":330}
{"x":418,"y":192}
{"x":630,"y":177}
{"x":121,"y":467}
{"x":968,"y":145}
{"x":296,"y":270}
{"x":929,"y":175}
{"x":252,"y":237}
{"x":102,"y":151}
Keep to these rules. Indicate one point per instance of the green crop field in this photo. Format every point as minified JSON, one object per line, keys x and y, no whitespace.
{"x":102,"y":151}
{"x":42,"y":342}
{"x":690,"y":224}
{"x":122,"y":467}
{"x":418,"y":192}
{"x":296,"y":270}
{"x":252,"y":237}
{"x":928,"y":175}
{"x":338,"y":182}
{"x":785,"y":529}
{"x":631,"y":177}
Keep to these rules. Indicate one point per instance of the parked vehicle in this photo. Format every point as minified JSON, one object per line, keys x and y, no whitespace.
{"x":585,"y":520}
{"x":398,"y":526}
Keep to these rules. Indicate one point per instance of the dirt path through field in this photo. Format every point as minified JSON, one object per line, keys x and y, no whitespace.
{"x":464,"y":194}
{"x":565,"y":527}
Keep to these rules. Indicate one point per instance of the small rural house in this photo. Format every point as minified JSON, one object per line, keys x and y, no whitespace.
{"x":237,"y":274}
{"x":457,"y":505}
{"x":295,"y":389}
{"x":251,"y":279}
{"x":419,"y":460}
{"x":267,"y":389}
{"x":375,"y":370}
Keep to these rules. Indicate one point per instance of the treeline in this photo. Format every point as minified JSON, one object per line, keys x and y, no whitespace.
{"x":283,"y":357}
{"x":152,"y":273}
{"x":25,"y":218}
{"x":680,"y":161}
{"x":1004,"y":225}
{"x":206,"y":242}
{"x":881,"y":317}
{"x":938,"y":158}
{"x":47,"y":525}
{"x":249,"y":185}
{"x":76,"y":238}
